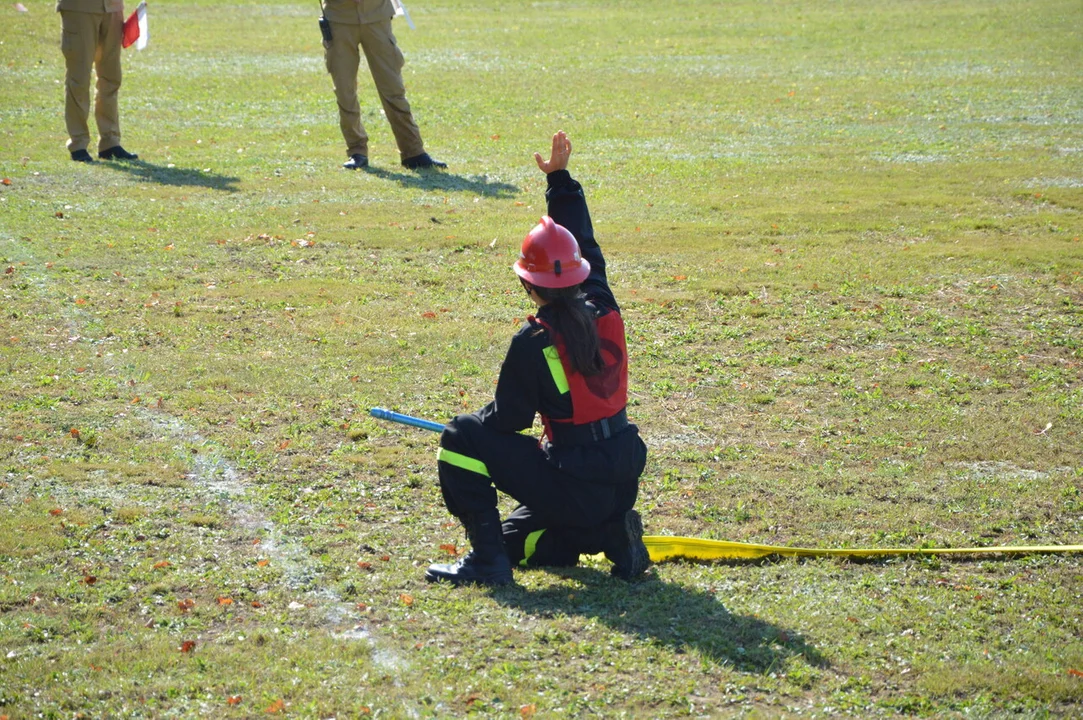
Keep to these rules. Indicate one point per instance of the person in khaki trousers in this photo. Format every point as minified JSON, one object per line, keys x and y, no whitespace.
{"x":365,"y":25}
{"x":91,"y":34}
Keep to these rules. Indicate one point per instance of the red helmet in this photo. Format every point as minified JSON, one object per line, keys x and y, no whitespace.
{"x":550,"y":257}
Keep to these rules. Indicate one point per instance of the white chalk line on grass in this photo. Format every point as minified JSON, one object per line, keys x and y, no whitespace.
{"x":214,"y":473}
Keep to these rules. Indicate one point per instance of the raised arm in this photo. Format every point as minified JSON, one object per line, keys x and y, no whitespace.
{"x":567,"y":205}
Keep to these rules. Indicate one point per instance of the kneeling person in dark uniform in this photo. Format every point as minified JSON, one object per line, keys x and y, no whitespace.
{"x":577,"y":487}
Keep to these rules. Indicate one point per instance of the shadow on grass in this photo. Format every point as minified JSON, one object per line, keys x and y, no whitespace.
{"x":181,"y":177}
{"x":667,"y":614}
{"x":434,"y":180}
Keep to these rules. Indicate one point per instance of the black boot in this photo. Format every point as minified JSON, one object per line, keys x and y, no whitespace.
{"x":623,"y":546}
{"x":486,"y":563}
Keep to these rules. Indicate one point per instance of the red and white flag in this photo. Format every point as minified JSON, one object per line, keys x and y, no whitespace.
{"x":135,"y":28}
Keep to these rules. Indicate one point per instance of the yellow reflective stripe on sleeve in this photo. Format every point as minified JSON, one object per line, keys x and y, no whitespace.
{"x":530,"y":545}
{"x":462,"y":461}
{"x":556,"y":368}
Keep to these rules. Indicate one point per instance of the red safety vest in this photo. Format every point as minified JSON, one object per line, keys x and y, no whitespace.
{"x":598,"y":396}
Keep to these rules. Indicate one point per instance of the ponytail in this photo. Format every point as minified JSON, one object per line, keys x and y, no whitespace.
{"x":573,"y":320}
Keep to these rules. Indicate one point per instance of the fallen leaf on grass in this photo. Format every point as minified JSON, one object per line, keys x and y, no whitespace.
{"x":276,"y":707}
{"x":406,"y":599}
{"x":55,"y":511}
{"x":263,"y":563}
{"x":186,"y":604}
{"x":450,"y":549}
{"x":257,"y":604}
{"x":188,"y":646}
{"x":162,"y":564}
{"x":527,"y":711}
{"x":90,"y":579}
{"x":1073,"y":671}
{"x":233,"y":700}
{"x":7,"y":181}
{"x":225,"y":601}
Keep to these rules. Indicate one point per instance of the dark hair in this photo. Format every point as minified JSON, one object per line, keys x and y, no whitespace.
{"x":573,"y":320}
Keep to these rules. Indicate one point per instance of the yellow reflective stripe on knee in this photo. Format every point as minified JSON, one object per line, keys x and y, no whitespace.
{"x":552,"y":357}
{"x":530,"y":545}
{"x":462,"y":461}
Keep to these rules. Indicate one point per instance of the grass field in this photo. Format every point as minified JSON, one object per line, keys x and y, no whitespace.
{"x":846,"y":236}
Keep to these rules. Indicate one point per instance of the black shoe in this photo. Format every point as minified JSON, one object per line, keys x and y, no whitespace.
{"x":487,"y":563}
{"x":624,"y":546}
{"x":356,"y":162}
{"x":472,"y":570}
{"x":81,"y":156}
{"x":422,"y":161}
{"x":117,"y":153}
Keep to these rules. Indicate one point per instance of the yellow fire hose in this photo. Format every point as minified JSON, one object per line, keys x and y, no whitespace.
{"x":666,"y":547}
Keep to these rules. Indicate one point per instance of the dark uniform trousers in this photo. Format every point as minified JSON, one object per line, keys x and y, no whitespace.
{"x":565,"y":494}
{"x":91,"y":34}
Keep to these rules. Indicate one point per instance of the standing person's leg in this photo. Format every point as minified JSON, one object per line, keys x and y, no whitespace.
{"x":107,"y":66}
{"x":343,"y":60}
{"x":385,"y":62}
{"x":78,"y":42}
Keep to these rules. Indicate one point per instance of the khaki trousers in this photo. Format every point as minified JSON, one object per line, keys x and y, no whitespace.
{"x":385,"y":62}
{"x":91,"y":39}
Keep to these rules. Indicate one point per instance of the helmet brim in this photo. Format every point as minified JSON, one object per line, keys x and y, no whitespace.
{"x":551,"y":279}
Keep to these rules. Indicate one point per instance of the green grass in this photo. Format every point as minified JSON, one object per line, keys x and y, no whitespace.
{"x":846,"y":237}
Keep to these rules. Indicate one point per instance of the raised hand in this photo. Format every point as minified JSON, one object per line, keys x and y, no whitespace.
{"x":558,"y":157}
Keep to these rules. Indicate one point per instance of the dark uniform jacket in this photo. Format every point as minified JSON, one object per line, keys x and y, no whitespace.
{"x":526,"y":385}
